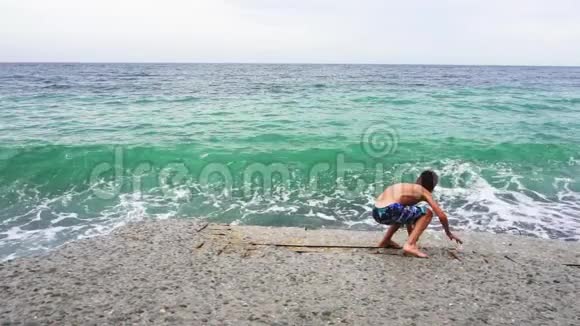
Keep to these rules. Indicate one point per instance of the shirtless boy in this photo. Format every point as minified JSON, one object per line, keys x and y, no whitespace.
{"x":397,"y":205}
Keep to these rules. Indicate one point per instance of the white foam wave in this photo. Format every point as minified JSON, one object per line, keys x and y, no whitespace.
{"x":476,"y":198}
{"x":510,"y":206}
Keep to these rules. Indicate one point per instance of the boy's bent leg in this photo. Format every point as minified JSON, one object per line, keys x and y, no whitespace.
{"x":387,"y":242}
{"x":410,"y":246}
{"x":410,"y":229}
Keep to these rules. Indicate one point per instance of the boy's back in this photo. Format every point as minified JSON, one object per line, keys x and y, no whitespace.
{"x":402,"y":193}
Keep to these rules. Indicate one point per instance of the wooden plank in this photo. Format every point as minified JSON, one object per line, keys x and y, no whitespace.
{"x":315,"y":246}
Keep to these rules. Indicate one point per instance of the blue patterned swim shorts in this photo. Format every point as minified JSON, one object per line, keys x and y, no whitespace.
{"x":398,"y":214}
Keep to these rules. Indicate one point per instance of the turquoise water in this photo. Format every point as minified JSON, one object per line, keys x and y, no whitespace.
{"x":85,"y":148}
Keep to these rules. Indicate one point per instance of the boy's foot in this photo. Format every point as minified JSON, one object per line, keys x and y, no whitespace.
{"x":392,"y":245}
{"x":414,"y":251}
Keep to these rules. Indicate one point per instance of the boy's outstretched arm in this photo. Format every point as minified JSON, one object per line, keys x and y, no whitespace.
{"x":442,"y":216}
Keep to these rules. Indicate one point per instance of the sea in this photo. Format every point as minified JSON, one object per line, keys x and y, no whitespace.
{"x":87,"y":148}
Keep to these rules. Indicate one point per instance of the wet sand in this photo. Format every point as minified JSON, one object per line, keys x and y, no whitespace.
{"x":185,"y":272}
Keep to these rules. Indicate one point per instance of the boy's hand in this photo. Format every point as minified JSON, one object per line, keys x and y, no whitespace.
{"x":453,"y":237}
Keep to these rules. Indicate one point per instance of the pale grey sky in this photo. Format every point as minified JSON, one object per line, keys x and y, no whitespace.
{"x":510,"y":32}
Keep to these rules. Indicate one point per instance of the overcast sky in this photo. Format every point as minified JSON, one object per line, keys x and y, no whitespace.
{"x":510,"y":32}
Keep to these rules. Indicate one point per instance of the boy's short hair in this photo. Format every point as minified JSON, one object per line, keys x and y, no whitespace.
{"x":428,"y":179}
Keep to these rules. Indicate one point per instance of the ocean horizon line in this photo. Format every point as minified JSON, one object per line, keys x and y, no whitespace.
{"x":294,"y":63}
